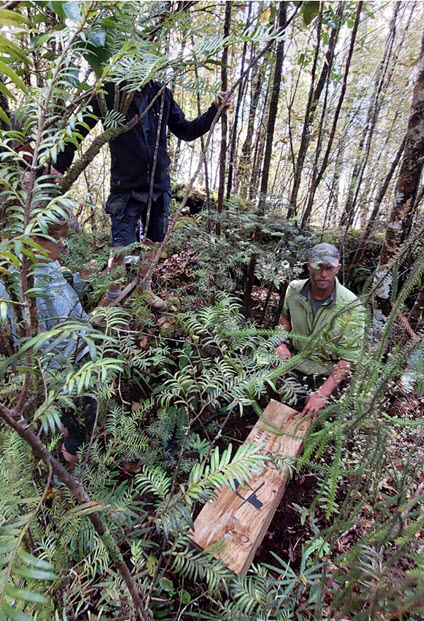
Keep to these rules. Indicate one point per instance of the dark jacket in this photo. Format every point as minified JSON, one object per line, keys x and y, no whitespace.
{"x":132,"y":152}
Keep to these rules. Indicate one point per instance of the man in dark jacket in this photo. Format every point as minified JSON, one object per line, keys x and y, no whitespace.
{"x":140,"y":183}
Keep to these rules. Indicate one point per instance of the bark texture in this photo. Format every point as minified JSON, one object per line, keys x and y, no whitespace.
{"x":273,"y":108}
{"x":314,"y":96}
{"x":404,"y":200}
{"x":318,"y":178}
{"x":224,"y":120}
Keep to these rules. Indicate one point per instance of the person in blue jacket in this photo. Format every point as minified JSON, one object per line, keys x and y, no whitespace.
{"x":56,"y":301}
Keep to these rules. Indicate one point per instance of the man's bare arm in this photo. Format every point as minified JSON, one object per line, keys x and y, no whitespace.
{"x":317,"y":400}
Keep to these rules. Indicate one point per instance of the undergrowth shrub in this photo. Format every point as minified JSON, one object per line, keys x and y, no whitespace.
{"x":220,"y":264}
{"x":151,"y":400}
{"x":224,"y":363}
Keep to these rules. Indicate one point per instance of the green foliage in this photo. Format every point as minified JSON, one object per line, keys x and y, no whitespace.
{"x":24,"y":576}
{"x":221,"y":262}
{"x":155,"y":403}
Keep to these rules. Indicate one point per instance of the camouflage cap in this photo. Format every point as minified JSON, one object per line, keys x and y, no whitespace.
{"x":324,"y":254}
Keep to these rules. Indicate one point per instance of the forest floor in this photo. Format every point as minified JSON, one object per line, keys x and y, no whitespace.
{"x":292,"y":527}
{"x":289,"y":530}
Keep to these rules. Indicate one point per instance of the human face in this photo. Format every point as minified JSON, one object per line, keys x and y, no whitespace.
{"x":322,"y":279}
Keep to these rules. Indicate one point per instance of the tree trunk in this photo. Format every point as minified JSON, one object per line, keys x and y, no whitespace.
{"x":405,"y":195}
{"x":324,"y":163}
{"x":236,"y":118}
{"x":16,"y":419}
{"x":333,"y":198}
{"x":273,"y":108}
{"x":382,"y":81}
{"x":314,"y":97}
{"x":246,"y":151}
{"x":371,"y":221}
{"x":258,"y":154}
{"x":224,"y":119}
{"x":416,"y":314}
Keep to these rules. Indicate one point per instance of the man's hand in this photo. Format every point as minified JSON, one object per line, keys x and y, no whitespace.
{"x":314,"y":403}
{"x":221,"y":97}
{"x":283,"y":352}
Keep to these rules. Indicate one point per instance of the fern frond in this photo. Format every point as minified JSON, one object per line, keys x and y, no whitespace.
{"x":197,"y":566}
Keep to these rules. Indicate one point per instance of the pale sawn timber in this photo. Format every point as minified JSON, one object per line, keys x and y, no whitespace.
{"x":240,"y":519}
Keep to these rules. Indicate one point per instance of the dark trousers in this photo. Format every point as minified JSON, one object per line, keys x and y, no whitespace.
{"x":79,"y":423}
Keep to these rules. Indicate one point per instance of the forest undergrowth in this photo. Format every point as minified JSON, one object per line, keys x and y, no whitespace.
{"x":184,"y":389}
{"x":326,"y":123}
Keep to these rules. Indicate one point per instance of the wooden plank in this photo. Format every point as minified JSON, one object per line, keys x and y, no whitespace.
{"x":240,"y":519}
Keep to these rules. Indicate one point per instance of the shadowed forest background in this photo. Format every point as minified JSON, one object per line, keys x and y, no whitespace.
{"x":324,"y":142}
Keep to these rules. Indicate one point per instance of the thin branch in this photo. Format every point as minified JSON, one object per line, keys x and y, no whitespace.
{"x":16,"y":421}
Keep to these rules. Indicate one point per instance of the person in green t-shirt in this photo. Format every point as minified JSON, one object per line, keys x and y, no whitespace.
{"x":320,"y":307}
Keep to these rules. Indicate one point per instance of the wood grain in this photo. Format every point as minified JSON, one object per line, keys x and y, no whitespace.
{"x":236,"y":522}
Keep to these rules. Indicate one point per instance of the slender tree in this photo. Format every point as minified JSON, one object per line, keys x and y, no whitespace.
{"x":314,"y":96}
{"x":224,"y":119}
{"x":273,"y":108}
{"x":236,"y":116}
{"x":245,"y":159}
{"x":320,"y":173}
{"x":404,"y":200}
{"x":383,"y":77}
{"x":376,"y":207}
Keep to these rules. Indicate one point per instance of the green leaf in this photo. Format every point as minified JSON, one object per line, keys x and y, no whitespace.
{"x":41,"y":19}
{"x":8,"y":546}
{"x":11,"y":257}
{"x":7,"y":47}
{"x":13,"y":614}
{"x":12,"y":18}
{"x":25,"y":596}
{"x":58,"y":8}
{"x":166,"y":585}
{"x":3,"y":312}
{"x":4,"y":117}
{"x":72,"y":10}
{"x":97,"y":57}
{"x":29,"y":254}
{"x":109,"y":22}
{"x":34,"y":574}
{"x":87,"y":508}
{"x":309,"y":11}
{"x":13,"y":76}
{"x":6,"y":91}
{"x":91,"y":347}
{"x":33,"y":560}
{"x":185,"y":597}
{"x":40,"y":40}
{"x":17,"y":247}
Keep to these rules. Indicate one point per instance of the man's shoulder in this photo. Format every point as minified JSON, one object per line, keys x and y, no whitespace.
{"x":296,"y":286}
{"x":344,"y":295}
{"x":154,"y":86}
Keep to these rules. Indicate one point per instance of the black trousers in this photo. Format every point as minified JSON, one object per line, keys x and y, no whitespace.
{"x":79,"y":423}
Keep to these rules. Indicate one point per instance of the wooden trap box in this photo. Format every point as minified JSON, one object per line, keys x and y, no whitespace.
{"x":240,"y":519}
